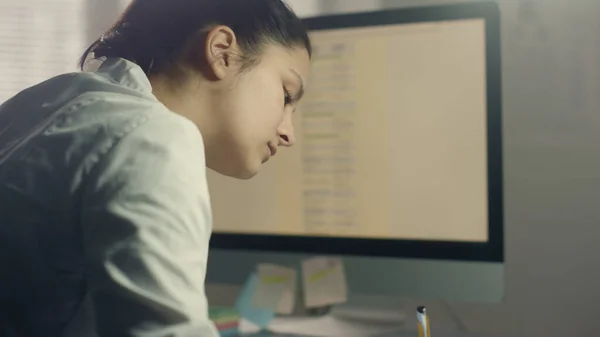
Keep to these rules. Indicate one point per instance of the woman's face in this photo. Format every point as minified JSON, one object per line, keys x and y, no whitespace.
{"x":252,"y":116}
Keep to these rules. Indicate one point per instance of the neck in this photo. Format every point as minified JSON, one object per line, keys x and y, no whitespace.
{"x":190,"y":99}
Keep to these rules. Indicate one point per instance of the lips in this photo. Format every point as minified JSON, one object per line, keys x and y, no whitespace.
{"x":273,"y":150}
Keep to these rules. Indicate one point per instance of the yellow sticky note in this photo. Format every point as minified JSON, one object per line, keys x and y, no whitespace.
{"x":280,"y":281}
{"x":324,"y":282}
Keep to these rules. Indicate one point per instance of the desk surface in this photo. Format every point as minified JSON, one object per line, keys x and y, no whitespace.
{"x":392,"y":334}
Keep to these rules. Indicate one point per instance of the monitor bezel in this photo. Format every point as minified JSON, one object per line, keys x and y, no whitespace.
{"x":490,"y":251}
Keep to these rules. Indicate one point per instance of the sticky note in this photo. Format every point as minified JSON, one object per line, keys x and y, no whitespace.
{"x":246,"y":308}
{"x":324,"y":282}
{"x":281,"y":282}
{"x":269,"y":289}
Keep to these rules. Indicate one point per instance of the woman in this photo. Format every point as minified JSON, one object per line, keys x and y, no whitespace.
{"x":104,"y":209}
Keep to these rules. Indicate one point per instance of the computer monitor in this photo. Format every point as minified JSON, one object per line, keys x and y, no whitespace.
{"x":398,"y":162}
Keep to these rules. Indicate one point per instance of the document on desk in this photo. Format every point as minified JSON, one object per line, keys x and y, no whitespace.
{"x":324,"y":282}
{"x":277,"y":288}
{"x":329,"y":326}
{"x":325,"y":326}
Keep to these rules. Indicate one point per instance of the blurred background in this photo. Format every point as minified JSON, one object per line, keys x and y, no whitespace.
{"x":551,"y":75}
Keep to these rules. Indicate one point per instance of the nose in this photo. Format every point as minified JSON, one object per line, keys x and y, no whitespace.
{"x":285,"y":132}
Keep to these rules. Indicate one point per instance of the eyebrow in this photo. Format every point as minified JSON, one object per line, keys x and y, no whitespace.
{"x":301,"y":90}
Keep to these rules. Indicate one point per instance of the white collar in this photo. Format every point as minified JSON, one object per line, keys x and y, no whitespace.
{"x":125,"y":73}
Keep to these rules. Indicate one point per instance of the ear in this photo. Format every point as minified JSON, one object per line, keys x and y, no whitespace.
{"x":221,"y":46}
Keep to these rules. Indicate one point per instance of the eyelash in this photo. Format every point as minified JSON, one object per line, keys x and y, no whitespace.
{"x":288,"y":99}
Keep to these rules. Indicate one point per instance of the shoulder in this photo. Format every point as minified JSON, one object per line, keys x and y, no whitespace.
{"x":159,"y":140}
{"x":109,"y":122}
{"x":155,"y":132}
{"x":78,"y":133}
{"x":153,"y":176}
{"x":97,"y":108}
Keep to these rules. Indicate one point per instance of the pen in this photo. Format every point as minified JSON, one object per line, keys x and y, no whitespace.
{"x":423,"y":322}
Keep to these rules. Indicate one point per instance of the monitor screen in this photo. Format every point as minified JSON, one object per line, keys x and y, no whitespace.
{"x":391,"y":142}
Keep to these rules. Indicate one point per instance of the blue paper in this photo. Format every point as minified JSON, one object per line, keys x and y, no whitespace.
{"x":260,"y":317}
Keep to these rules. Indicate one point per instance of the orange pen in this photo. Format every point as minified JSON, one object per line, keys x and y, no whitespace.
{"x":423,"y":322}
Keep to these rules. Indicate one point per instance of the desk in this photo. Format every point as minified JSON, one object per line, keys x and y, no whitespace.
{"x":442,"y":323}
{"x":394,"y":334}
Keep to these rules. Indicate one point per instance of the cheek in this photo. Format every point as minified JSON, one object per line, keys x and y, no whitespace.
{"x":264,"y":110}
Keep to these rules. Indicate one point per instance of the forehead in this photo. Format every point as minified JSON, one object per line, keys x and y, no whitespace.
{"x":286,"y":58}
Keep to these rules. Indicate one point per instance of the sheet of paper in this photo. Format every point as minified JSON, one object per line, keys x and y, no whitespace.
{"x":246,"y":308}
{"x":324,"y":282}
{"x":247,"y":327}
{"x":270,"y":288}
{"x":329,"y":326}
{"x":282,"y":281}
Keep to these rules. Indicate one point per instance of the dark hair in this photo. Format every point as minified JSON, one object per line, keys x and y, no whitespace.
{"x":156,"y":34}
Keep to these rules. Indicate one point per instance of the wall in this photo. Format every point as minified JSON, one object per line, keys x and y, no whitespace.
{"x":551,"y":70}
{"x":306,"y":7}
{"x":348,"y":6}
{"x":100,"y":15}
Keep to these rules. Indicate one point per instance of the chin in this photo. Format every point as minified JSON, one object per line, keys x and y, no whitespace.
{"x":248,"y":170}
{"x":240,"y":169}
{"x":245,"y":175}
{"x":240,"y":172}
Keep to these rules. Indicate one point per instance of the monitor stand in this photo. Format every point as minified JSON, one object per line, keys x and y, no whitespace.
{"x":353,"y":319}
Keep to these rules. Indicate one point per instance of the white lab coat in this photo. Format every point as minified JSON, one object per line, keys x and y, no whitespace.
{"x":105,"y":214}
